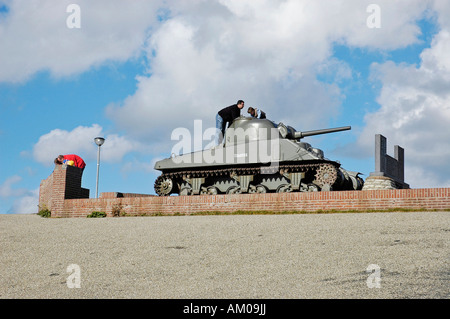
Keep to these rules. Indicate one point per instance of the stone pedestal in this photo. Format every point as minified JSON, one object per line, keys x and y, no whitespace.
{"x":382,"y":182}
{"x":389,"y":171}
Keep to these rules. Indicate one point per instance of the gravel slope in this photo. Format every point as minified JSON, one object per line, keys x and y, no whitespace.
{"x":230,"y":256}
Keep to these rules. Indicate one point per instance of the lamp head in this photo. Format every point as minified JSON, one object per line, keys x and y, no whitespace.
{"x":99,"y":141}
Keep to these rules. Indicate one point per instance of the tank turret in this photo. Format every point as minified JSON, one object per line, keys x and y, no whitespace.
{"x":257,"y":156}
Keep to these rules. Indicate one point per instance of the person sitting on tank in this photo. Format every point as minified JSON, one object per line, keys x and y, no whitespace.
{"x":256,"y":113}
{"x":227,"y":115}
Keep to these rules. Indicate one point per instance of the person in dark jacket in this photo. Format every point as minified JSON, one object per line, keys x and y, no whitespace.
{"x":254,"y":112}
{"x":227,"y":115}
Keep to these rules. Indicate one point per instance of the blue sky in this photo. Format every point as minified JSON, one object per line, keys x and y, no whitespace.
{"x":134,"y":72}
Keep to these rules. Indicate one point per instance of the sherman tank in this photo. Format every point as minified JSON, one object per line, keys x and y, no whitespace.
{"x":256,"y":156}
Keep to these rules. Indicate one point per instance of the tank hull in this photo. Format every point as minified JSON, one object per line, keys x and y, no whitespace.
{"x":306,"y":176}
{"x":255,"y":158}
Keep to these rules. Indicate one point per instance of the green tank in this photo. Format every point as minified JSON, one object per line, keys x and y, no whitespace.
{"x":256,"y":156}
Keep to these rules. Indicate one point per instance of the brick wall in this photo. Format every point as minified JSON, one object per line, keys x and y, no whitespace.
{"x":64,"y":183}
{"x":61,"y":192}
{"x":45,"y":193}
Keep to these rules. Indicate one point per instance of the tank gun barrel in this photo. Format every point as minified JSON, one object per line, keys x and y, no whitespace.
{"x":298,"y":135}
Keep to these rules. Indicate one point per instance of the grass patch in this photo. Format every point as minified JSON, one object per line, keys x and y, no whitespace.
{"x":45,"y":212}
{"x":117,"y":211}
{"x":96,"y":215}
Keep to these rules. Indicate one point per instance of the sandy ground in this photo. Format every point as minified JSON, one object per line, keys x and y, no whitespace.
{"x":357,"y":255}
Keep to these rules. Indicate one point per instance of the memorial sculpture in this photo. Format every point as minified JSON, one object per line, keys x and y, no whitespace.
{"x":389,"y":171}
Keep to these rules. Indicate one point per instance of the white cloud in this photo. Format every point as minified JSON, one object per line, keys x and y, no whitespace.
{"x":24,"y":201}
{"x":210,"y":54}
{"x":116,"y":147}
{"x":415,"y":113}
{"x":80,"y":141}
{"x":27,"y":204}
{"x":7,"y":190}
{"x":205,"y":55}
{"x":35,"y":36}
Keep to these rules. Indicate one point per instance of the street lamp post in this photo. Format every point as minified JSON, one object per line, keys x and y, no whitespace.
{"x":99,"y":141}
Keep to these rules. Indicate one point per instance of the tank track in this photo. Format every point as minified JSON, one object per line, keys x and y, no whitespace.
{"x":321,"y":175}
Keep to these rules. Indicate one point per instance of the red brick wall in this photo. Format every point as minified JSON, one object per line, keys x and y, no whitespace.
{"x":433,"y":198}
{"x":62,"y":184}
{"x":45,"y":193}
{"x":140,"y":204}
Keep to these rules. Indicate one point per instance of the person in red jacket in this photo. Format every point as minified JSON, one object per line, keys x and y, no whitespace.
{"x":71,"y":159}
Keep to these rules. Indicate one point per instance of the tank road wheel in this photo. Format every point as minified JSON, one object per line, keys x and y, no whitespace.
{"x":258,"y":189}
{"x":310,"y":187}
{"x":325,"y":176}
{"x":163,"y":186}
{"x":211,"y":190}
{"x":185,"y":189}
{"x":234,"y":190}
{"x":284,"y":188}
